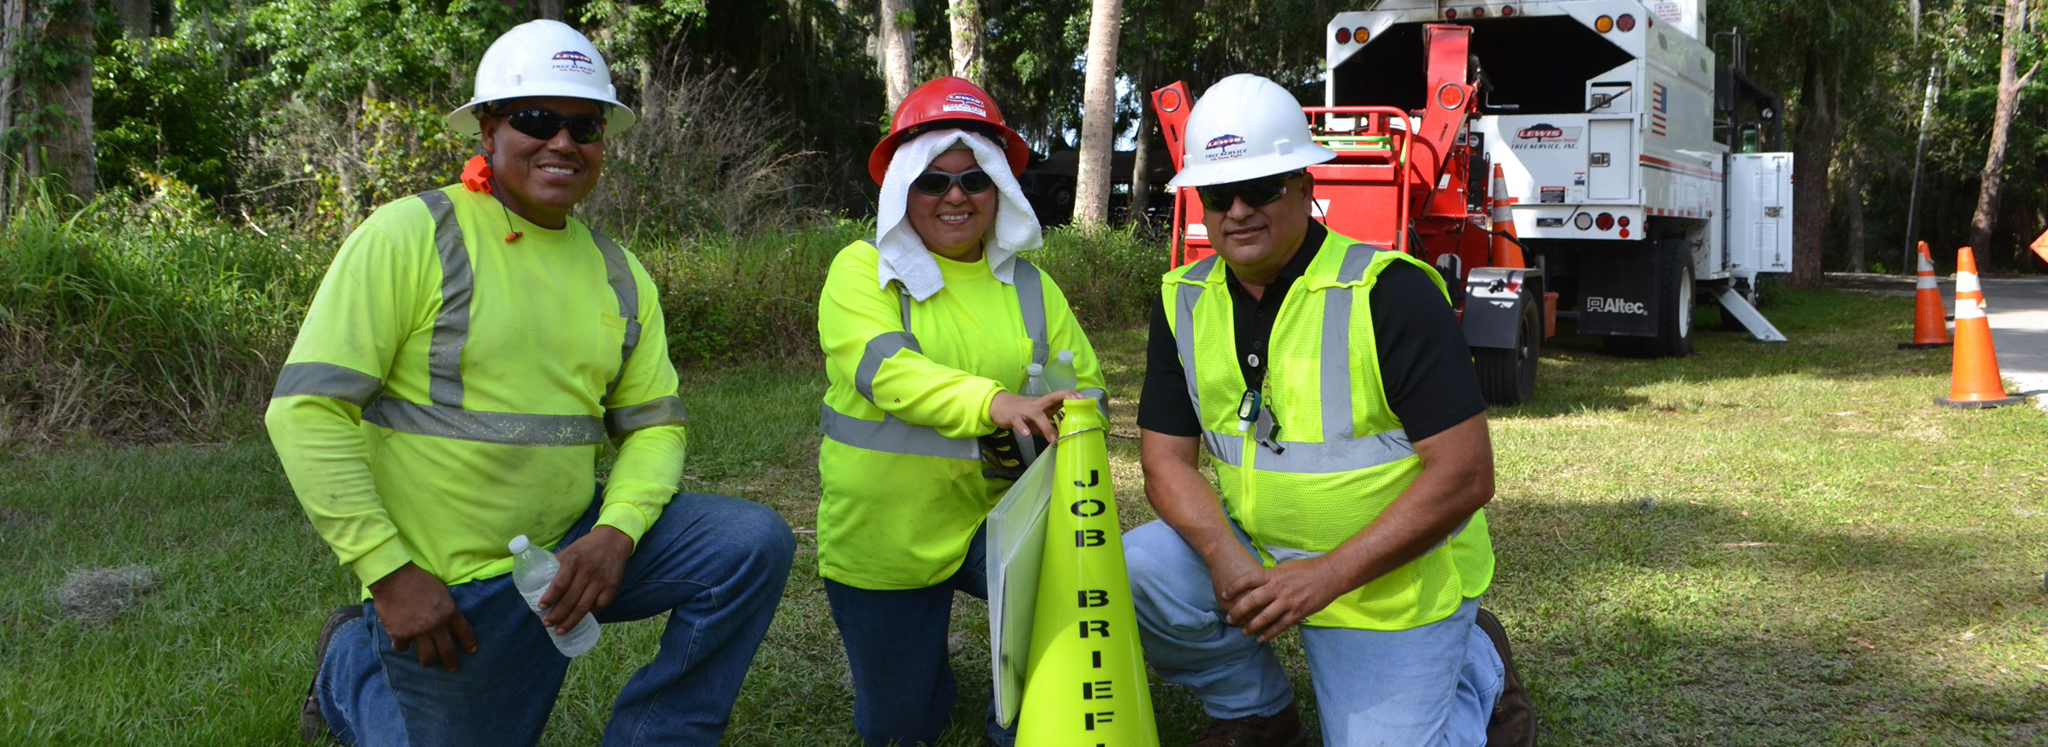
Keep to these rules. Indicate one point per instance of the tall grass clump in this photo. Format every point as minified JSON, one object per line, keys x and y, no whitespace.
{"x":700,"y":161}
{"x":746,"y":296}
{"x":1110,"y":275}
{"x":140,"y":324}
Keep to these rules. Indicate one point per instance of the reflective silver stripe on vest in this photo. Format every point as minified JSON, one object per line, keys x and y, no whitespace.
{"x":1222,"y":446}
{"x":514,"y":428}
{"x":1340,"y":450}
{"x":327,"y":380}
{"x":1030,"y":301}
{"x":893,"y":435}
{"x":451,"y":325}
{"x":446,"y":416}
{"x":619,"y":421}
{"x":880,"y":347}
{"x":619,"y":274}
{"x":1283,"y":554}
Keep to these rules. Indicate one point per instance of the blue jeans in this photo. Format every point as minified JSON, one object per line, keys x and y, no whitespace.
{"x":903,"y":686}
{"x":716,"y":563}
{"x":1431,"y":685}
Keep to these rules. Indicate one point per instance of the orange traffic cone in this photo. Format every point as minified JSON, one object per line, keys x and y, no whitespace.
{"x":1507,"y":249}
{"x":1974,"y":381}
{"x":2040,"y":246}
{"x":1930,"y":322}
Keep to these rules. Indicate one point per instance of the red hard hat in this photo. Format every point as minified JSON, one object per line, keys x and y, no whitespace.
{"x":939,"y":100}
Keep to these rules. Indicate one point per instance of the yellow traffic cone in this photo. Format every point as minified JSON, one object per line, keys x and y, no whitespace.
{"x":1085,"y":685}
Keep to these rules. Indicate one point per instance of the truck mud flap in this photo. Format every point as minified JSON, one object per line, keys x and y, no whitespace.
{"x":1617,"y":292}
{"x":1493,"y":304}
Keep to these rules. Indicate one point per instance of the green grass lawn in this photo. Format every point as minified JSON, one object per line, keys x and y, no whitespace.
{"x":1757,"y":545}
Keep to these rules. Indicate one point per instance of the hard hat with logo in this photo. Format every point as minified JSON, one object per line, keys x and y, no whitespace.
{"x":1246,"y":127}
{"x":543,"y":58}
{"x":937,"y":102}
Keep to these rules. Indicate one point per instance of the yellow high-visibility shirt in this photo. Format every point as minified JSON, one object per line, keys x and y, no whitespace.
{"x":901,"y":472}
{"x":450,"y":390}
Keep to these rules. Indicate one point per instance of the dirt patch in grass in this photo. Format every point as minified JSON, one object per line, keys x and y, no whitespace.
{"x":99,"y":595}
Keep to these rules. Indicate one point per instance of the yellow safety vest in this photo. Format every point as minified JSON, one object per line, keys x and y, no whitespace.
{"x":1339,"y":456}
{"x":902,"y":485}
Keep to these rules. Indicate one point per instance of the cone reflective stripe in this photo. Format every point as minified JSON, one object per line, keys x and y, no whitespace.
{"x":1930,"y":325}
{"x":1085,"y":685}
{"x":1973,"y":379}
{"x":1506,"y":253}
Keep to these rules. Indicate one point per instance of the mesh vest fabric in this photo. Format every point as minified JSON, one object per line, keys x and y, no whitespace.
{"x":1344,"y":457}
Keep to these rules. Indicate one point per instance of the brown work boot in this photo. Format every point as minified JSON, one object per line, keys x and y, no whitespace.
{"x":1514,"y":716}
{"x":313,"y":723}
{"x":1281,"y":729}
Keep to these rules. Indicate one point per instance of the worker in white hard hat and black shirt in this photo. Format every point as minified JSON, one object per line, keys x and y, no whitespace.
{"x":1332,"y":387}
{"x":459,"y":373}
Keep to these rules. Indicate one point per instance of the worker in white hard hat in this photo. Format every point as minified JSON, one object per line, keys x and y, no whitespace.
{"x":1331,"y":385}
{"x":468,"y":359}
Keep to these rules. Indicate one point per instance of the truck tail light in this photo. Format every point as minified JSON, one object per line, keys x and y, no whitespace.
{"x":1479,"y":12}
{"x":1344,"y":36}
{"x":1627,"y":22}
{"x":1451,"y":14}
{"x":1582,"y":221}
{"x":1360,"y":34}
{"x":1621,"y":221}
{"x":1603,"y":24}
{"x":1605,"y":221}
{"x":1507,"y":10}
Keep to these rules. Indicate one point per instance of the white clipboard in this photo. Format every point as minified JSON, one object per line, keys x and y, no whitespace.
{"x":1015,"y":550}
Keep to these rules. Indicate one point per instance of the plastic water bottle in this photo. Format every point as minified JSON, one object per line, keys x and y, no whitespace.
{"x":1059,"y":373}
{"x":1034,"y":386}
{"x":533,"y":568}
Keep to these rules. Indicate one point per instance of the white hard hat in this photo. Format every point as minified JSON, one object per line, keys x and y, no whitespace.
{"x":543,"y":58}
{"x":1246,"y":127}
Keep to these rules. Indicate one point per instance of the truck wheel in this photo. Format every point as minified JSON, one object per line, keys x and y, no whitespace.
{"x":1508,"y":376}
{"x":1675,"y":283}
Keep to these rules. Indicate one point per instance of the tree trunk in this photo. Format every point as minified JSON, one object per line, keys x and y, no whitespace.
{"x":899,"y":43}
{"x":70,"y":147}
{"x":134,"y":16}
{"x":1992,"y":178}
{"x":1813,"y":151}
{"x":13,"y":17}
{"x":1141,"y":160}
{"x":550,"y":9}
{"x":1855,"y":189}
{"x":965,"y":18}
{"x":1098,"y":116}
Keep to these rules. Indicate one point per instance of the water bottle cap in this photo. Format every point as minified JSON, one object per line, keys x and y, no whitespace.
{"x":1033,"y":369}
{"x":1066,"y":356}
{"x":519,"y":544}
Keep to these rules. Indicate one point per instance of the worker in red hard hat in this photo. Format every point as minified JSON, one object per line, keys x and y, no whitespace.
{"x":472,"y":353}
{"x":928,"y":329}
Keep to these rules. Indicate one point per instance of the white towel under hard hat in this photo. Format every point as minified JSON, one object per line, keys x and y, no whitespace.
{"x":904,"y":256}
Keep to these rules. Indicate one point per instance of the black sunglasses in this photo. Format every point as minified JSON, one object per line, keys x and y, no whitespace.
{"x":1255,"y":192}
{"x":542,"y":124}
{"x":937,"y":183}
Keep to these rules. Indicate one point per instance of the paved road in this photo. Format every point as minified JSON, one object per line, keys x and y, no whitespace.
{"x":2018,"y":309}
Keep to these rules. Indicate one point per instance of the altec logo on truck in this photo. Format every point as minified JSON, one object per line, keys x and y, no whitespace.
{"x":1611,"y":122}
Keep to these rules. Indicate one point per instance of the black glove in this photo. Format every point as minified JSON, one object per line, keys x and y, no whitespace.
{"x":1000,"y":458}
